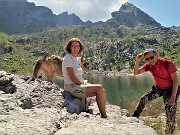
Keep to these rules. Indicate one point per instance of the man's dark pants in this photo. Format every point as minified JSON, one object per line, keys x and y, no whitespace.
{"x":170,"y":110}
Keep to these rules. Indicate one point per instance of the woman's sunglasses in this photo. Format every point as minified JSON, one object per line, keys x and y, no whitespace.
{"x":147,"y":59}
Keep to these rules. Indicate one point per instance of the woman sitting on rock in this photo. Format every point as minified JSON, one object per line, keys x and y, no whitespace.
{"x":73,"y":80}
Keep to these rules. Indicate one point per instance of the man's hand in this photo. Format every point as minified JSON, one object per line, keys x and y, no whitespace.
{"x":171,"y":101}
{"x":139,"y":57}
{"x":138,"y":70}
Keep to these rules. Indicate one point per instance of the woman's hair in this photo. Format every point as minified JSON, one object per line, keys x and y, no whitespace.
{"x":68,"y":46}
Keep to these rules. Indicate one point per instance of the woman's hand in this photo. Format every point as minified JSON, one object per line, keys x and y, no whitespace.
{"x":85,"y":81}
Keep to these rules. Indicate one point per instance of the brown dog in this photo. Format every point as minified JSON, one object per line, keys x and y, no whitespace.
{"x":51,"y":66}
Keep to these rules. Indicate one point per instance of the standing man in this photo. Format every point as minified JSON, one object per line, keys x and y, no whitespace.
{"x":166,"y":84}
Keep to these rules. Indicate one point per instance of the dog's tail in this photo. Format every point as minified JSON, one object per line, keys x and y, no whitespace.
{"x":84,"y":62}
{"x":82,"y":58}
{"x":37,"y":68}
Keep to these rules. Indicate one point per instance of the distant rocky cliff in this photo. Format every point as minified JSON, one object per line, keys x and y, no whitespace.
{"x":65,"y":19}
{"x":31,"y":107}
{"x":22,"y":17}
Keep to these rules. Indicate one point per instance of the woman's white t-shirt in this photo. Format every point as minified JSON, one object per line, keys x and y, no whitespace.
{"x":75,"y":63}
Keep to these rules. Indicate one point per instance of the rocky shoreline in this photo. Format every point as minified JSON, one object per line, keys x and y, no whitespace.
{"x":29,"y":107}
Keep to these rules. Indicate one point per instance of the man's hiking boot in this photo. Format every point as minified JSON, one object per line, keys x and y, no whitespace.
{"x":135,"y":115}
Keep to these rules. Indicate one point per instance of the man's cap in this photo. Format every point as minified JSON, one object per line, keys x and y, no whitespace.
{"x":149,"y":50}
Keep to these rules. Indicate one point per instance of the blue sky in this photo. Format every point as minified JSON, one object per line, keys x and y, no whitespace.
{"x":166,"y":12}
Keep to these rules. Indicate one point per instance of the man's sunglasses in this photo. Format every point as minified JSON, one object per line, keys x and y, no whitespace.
{"x":147,"y":59}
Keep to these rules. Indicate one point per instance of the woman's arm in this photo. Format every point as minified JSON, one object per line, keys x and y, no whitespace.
{"x":73,"y":78}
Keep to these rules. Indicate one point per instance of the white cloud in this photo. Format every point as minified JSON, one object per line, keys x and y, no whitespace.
{"x":93,"y":10}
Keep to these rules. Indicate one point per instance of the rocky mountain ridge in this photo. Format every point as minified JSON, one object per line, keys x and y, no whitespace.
{"x":22,"y":17}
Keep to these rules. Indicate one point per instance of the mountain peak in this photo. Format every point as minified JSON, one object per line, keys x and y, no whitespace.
{"x":127,"y":6}
{"x":130,"y":16}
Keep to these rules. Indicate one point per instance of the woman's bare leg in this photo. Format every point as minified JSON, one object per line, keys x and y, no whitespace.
{"x":100,"y":94}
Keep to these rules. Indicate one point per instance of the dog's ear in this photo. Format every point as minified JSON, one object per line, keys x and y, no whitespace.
{"x":37,"y":67}
{"x":47,"y":55}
